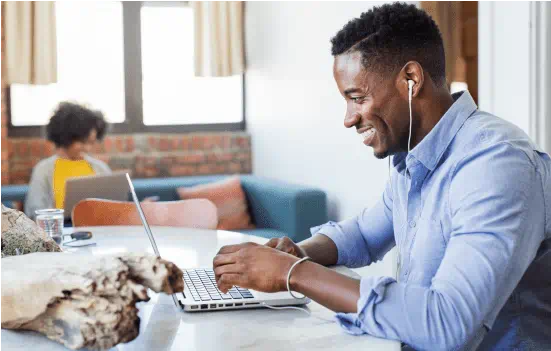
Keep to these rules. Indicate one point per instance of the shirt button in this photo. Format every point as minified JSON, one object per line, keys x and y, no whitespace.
{"x":412,"y":224}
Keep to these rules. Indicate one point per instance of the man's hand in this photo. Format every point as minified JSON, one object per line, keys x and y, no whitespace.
{"x":286,"y":245}
{"x":252,"y":266}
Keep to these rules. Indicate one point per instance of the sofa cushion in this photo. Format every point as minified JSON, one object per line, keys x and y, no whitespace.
{"x":166,"y":188}
{"x":229,"y":198}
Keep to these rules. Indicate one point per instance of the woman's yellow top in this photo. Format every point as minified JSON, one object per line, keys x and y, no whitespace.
{"x":64,"y":169}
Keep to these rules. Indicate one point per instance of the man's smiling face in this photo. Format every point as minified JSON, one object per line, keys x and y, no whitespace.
{"x":374,"y":105}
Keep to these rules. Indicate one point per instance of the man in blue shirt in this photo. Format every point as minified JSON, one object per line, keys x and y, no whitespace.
{"x":467,"y":206}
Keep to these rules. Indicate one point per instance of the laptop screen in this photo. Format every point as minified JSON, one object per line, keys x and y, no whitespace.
{"x":146,"y":226}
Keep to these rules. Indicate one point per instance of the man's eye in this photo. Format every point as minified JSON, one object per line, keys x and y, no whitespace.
{"x":356,"y":99}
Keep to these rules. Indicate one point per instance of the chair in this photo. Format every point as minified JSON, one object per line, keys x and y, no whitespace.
{"x":195,"y":213}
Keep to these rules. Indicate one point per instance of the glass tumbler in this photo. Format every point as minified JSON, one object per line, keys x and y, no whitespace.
{"x":51,"y":221}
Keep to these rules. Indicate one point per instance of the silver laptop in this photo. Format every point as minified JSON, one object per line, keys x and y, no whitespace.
{"x":104,"y":186}
{"x":201,"y":292}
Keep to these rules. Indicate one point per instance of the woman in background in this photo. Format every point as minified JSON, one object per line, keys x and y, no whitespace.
{"x":74,"y":130}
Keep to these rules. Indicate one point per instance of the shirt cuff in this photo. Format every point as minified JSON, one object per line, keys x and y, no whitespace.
{"x":334,"y":232}
{"x":372,"y":292}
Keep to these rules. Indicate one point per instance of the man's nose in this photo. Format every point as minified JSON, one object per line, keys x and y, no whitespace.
{"x":351,"y":119}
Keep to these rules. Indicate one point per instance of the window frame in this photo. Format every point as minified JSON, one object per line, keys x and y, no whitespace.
{"x":133,"y":122}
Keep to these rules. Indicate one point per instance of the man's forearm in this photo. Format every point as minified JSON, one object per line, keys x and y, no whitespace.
{"x":321,"y":249}
{"x":325,"y":286}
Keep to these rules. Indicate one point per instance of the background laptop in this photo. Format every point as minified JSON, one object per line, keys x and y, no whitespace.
{"x":201,"y":292}
{"x":106,"y":186}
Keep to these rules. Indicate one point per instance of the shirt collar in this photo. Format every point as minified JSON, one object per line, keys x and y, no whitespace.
{"x":432,"y":147}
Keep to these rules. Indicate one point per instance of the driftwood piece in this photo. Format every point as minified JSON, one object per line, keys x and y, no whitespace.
{"x":20,"y":232}
{"x":82,"y":301}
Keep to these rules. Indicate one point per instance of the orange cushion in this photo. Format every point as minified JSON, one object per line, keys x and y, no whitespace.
{"x":229,"y":198}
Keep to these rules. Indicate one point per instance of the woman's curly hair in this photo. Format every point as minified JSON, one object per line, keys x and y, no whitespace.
{"x":73,"y":122}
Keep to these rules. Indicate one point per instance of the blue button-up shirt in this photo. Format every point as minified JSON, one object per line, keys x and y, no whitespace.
{"x":469,"y":211}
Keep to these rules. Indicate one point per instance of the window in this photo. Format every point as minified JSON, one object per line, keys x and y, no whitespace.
{"x":171,"y":93}
{"x":90,"y":65}
{"x":134,"y":62}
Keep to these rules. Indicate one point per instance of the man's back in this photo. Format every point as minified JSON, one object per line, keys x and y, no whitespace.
{"x":524,"y":322}
{"x":525,"y":318}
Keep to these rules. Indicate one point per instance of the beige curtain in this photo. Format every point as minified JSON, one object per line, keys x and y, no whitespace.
{"x":447,"y":15}
{"x":218,"y":38}
{"x":30,"y":42}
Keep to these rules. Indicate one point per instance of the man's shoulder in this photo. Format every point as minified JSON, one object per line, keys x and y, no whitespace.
{"x":484,"y":132}
{"x":485,"y":128}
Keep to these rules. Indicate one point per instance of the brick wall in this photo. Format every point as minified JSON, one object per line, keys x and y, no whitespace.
{"x":146,"y":155}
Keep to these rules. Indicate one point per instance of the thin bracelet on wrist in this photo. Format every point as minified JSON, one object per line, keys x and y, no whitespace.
{"x":289,"y":276}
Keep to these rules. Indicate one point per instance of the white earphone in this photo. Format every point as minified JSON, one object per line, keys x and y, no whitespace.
{"x":411,"y":83}
{"x":410,"y":97}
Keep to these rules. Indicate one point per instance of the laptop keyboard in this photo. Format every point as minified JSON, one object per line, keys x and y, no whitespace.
{"x":202,"y":286}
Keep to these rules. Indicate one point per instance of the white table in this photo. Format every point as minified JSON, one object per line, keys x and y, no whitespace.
{"x":163,"y":327}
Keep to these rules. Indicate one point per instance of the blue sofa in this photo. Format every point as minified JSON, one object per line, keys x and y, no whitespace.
{"x":277,"y":208}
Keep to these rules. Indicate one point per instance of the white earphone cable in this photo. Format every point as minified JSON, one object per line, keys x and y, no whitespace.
{"x":298,"y":309}
{"x":410,"y":93}
{"x":410,"y":97}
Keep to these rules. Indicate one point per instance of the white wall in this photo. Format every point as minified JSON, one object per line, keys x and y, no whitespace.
{"x":504,"y":60}
{"x":294,"y":111}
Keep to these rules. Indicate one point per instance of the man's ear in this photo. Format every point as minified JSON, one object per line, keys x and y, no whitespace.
{"x":411,"y":71}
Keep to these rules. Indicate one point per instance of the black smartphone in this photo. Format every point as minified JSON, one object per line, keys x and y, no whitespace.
{"x":84,"y":235}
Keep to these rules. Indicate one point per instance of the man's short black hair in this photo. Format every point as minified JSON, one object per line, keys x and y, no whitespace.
{"x":390,"y":35}
{"x":72,"y":122}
